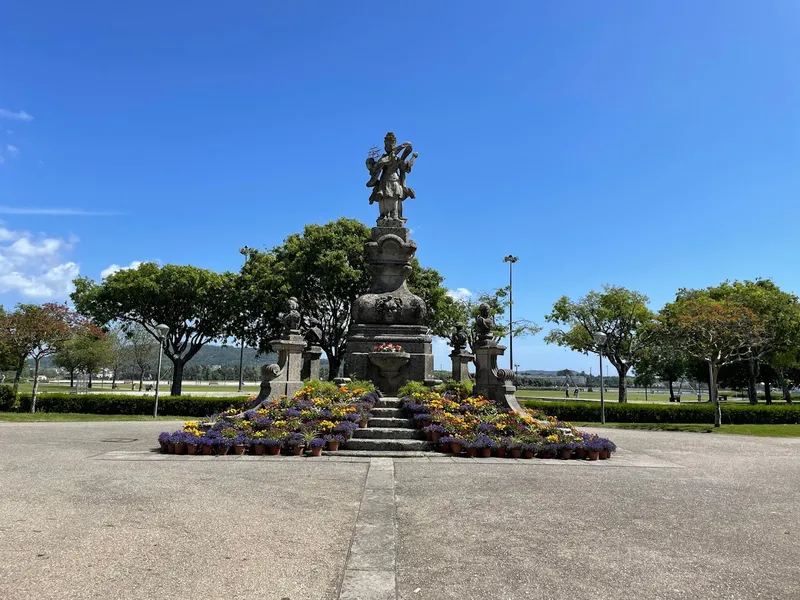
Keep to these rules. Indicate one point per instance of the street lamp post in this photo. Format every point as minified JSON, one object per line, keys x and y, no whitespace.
{"x":510,"y":259}
{"x":600,"y":340}
{"x":241,"y":366}
{"x":162,"y":331}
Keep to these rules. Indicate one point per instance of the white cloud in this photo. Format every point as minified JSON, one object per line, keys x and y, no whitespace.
{"x":12,"y":149}
{"x":460,"y":294}
{"x":111,"y":269}
{"x":33,"y":266}
{"x":63,"y":212}
{"x":17,"y":116}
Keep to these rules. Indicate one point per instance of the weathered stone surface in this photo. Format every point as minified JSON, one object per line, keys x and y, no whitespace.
{"x":311,"y":356}
{"x":461,"y":361}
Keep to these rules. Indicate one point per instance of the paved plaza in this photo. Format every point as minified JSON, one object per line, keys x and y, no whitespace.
{"x":88,"y":511}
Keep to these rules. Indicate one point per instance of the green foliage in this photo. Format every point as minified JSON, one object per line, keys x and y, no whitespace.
{"x":463,"y":389}
{"x":667,"y":413}
{"x":119,"y":404}
{"x":466,"y":311}
{"x":8,"y":398}
{"x":413,"y":387}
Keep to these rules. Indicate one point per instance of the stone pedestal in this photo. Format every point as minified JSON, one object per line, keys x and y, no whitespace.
{"x":283,"y":378}
{"x":461,"y":361}
{"x":389,"y":312}
{"x":311,"y":356}
{"x":491,"y":382}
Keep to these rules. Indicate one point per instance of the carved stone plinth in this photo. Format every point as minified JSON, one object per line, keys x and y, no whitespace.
{"x":389,"y":366}
{"x":311,"y":356}
{"x":491,"y":382}
{"x":461,"y":361}
{"x":283,"y":378}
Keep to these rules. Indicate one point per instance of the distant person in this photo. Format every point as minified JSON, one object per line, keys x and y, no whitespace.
{"x":575,"y":393}
{"x":566,"y":392}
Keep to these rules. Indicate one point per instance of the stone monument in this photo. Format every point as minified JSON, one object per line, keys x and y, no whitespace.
{"x":460,"y":357}
{"x":312,"y":352}
{"x":388,"y":313}
{"x":491,"y":382}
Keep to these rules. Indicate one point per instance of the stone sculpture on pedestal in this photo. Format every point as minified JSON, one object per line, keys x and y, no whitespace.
{"x":389,"y":312}
{"x":491,"y":382}
{"x":460,"y":357}
{"x":312,"y":352}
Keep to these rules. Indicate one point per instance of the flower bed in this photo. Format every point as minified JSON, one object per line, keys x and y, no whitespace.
{"x":474,"y":426}
{"x":318,"y":416}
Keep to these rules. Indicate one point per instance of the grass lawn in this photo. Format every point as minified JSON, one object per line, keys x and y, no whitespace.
{"x":15,"y":417}
{"x":611,"y":396}
{"x":221,"y":389}
{"x":757,"y":430}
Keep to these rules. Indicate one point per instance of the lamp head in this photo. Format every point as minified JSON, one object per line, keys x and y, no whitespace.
{"x":511,"y":259}
{"x":162,"y":330}
{"x":599,"y":338}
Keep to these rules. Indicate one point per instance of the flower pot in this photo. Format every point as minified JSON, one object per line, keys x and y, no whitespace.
{"x":455,"y":447}
{"x":435,"y":436}
{"x":444,"y":447}
{"x":546,"y":455}
{"x":296,"y":450}
{"x":471,"y":452}
{"x":164,"y":447}
{"x":565,"y":454}
{"x":593,"y":454}
{"x":605,"y":454}
{"x":273,"y":450}
{"x":316,"y":451}
{"x":191,"y":449}
{"x":333,"y":445}
{"x":238,"y":449}
{"x":180,"y":448}
{"x":516,"y":452}
{"x":222,"y":450}
{"x":205,"y":450}
{"x":429,"y":436}
{"x":363,"y":424}
{"x":424,"y":424}
{"x":500,"y":451}
{"x":259,"y":450}
{"x":527,"y":454}
{"x":171,"y":448}
{"x":486,"y":452}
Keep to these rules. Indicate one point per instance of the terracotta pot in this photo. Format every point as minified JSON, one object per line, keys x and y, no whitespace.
{"x":222,"y":450}
{"x":206,"y":450}
{"x":333,"y":445}
{"x":471,"y":452}
{"x":580,"y":453}
{"x":444,"y":447}
{"x":455,"y":447}
{"x":180,"y":448}
{"x":191,"y":449}
{"x":546,"y":455}
{"x":424,"y":424}
{"x":316,"y":451}
{"x":171,"y":448}
{"x":238,"y":449}
{"x":516,"y":452}
{"x":605,"y":454}
{"x":296,"y":450}
{"x":527,"y":454}
{"x":429,"y":436}
{"x":259,"y":449}
{"x":486,"y":452}
{"x":593,"y":454}
{"x":435,"y":436}
{"x":274,"y":450}
{"x":565,"y":454}
{"x":363,"y":424}
{"x":500,"y":451}
{"x":164,"y":447}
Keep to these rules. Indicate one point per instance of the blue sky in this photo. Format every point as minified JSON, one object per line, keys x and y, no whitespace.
{"x":648,"y":144}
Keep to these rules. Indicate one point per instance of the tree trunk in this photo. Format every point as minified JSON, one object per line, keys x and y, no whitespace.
{"x":334,"y":362}
{"x":89,"y":385}
{"x":752,"y":375}
{"x":177,"y":377}
{"x":768,"y":392}
{"x":622,"y":387}
{"x":18,"y":374}
{"x":671,"y":392}
{"x":786,"y":389}
{"x":712,"y":389}
{"x":35,"y":384}
{"x":645,"y":393}
{"x":114,"y":378}
{"x":141,"y":377}
{"x":72,"y":377}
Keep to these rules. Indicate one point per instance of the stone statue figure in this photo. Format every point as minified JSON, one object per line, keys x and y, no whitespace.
{"x":459,"y":338}
{"x":484,"y":323}
{"x":291,"y":318}
{"x":388,"y":177}
{"x":313,"y":333}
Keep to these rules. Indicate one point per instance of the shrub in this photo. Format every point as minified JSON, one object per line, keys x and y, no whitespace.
{"x":664,"y":413}
{"x":412,"y":387}
{"x":120,"y":404}
{"x":8,"y":399}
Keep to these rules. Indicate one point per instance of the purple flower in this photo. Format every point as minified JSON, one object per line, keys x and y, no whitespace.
{"x":206,"y":441}
{"x":316,"y":443}
{"x":334,"y":438}
{"x":223,"y":442}
{"x":290,"y":413}
{"x":345,"y":427}
{"x":241,"y":440}
{"x":482,"y":441}
{"x":163,"y":438}
{"x":435,"y":428}
{"x":295,"y":439}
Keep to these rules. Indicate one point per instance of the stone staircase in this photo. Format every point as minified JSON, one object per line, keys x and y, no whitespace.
{"x":389,"y":432}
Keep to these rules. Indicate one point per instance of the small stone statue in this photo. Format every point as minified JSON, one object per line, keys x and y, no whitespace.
{"x":484,"y":323}
{"x":388,"y":177}
{"x":459,"y":338}
{"x":313,"y":333}
{"x":291,"y":318}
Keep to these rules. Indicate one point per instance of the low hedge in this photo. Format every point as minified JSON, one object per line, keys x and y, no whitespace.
{"x":761,"y":414}
{"x":119,"y":404}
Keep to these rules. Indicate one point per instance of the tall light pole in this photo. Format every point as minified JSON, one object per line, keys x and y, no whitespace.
{"x":510,"y":259}
{"x":600,"y":340}
{"x":245,"y":251}
{"x":162,"y":331}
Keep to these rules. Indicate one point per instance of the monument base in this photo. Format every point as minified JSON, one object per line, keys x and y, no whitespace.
{"x":491,"y":382}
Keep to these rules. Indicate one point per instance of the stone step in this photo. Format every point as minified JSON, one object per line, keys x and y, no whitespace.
{"x":393,"y":445}
{"x":384,"y":433}
{"x":385,"y":413}
{"x":391,"y":422}
{"x":378,"y":453}
{"x":388,"y":403}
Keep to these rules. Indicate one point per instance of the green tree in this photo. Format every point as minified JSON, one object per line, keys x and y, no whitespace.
{"x":86,"y":350}
{"x":142,"y":349}
{"x":466,"y":310}
{"x":196,"y":304}
{"x":718,"y":332}
{"x":325,"y":268}
{"x":620,"y":313}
